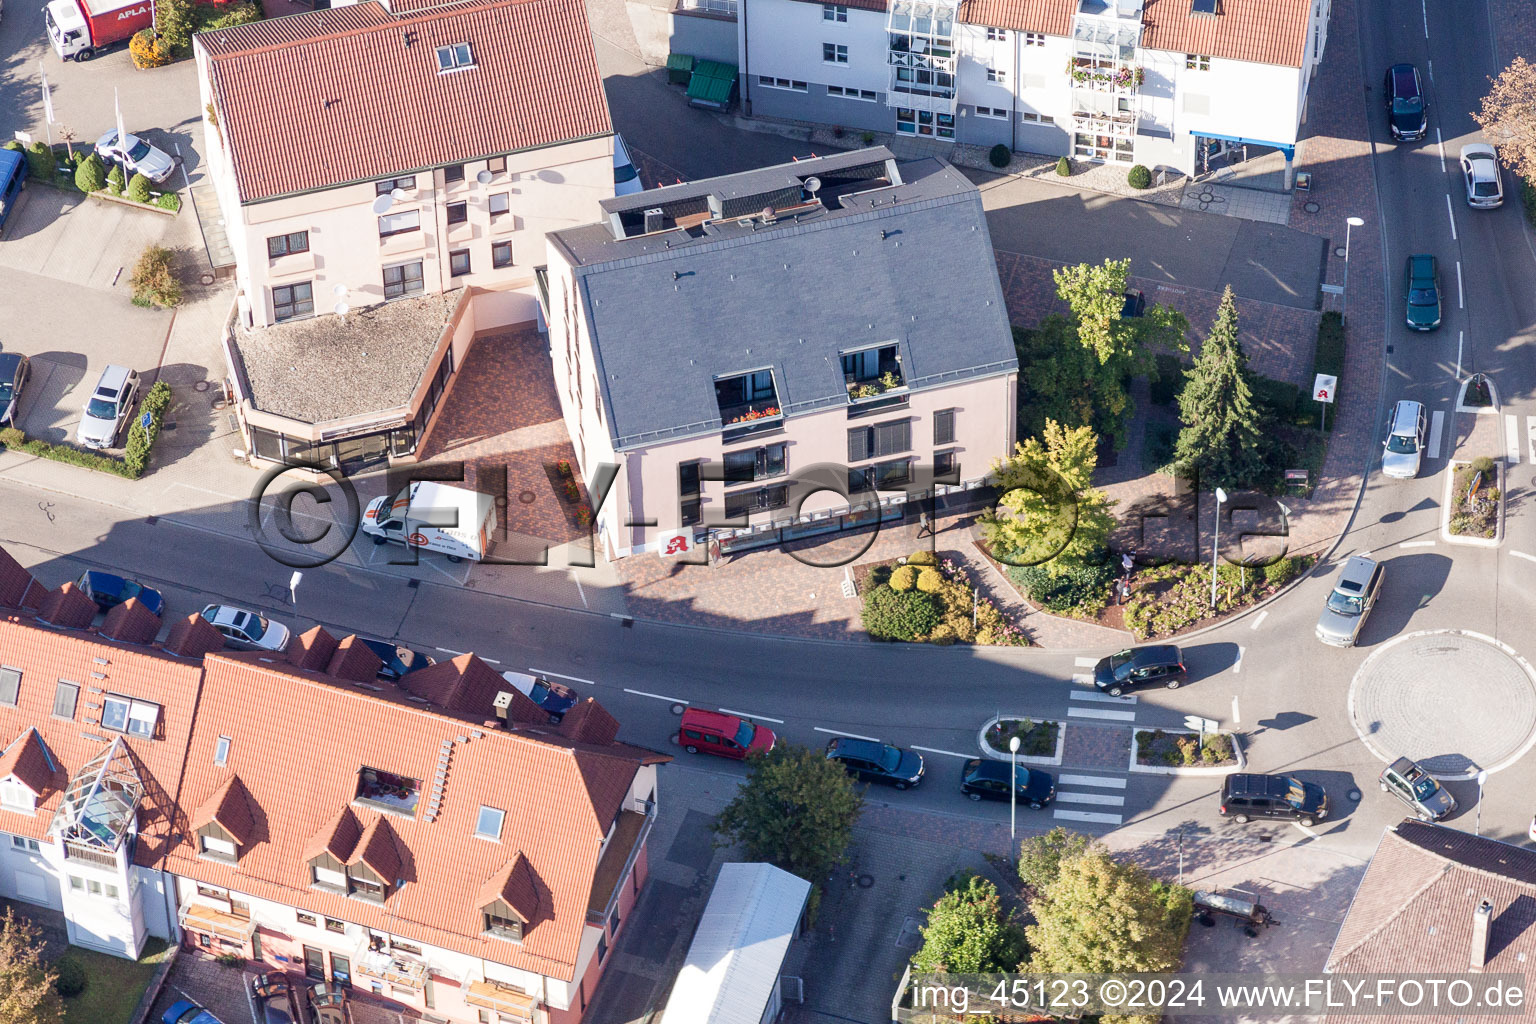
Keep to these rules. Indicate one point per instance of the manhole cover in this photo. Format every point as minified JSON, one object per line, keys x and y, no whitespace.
{"x":201,"y":385}
{"x":1311,"y":207}
{"x":1339,"y":250}
{"x":1453,"y":701}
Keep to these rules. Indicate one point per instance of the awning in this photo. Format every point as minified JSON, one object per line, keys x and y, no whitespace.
{"x":1288,"y":148}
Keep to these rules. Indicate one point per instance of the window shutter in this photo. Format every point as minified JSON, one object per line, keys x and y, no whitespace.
{"x":892,"y":438}
{"x":859,"y":444}
{"x":944,"y":426}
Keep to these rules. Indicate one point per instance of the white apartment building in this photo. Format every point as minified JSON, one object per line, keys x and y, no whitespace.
{"x":1163,"y":83}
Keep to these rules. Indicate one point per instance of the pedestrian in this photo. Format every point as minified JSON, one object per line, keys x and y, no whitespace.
{"x":1127,"y":563}
{"x":923,"y":525}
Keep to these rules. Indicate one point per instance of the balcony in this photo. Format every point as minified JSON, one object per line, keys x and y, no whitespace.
{"x":394,"y":968}
{"x":198,"y":917}
{"x":1114,"y":126}
{"x":502,"y":999}
{"x":387,"y":791}
{"x":618,"y":860}
{"x":748,"y":403}
{"x":1104,"y":75}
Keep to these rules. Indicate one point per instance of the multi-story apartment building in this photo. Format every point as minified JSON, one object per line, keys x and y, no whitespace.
{"x":386,"y":172}
{"x":828,"y":335}
{"x":437,"y":844}
{"x":1163,"y":83}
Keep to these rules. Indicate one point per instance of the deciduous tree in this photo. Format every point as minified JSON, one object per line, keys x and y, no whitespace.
{"x":27,"y":995}
{"x":969,"y":933}
{"x":796,"y":811}
{"x":1222,"y":432}
{"x":1048,"y":514}
{"x":1508,"y":117}
{"x":1041,"y":857}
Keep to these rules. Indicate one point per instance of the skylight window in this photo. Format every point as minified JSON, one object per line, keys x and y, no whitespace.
{"x":124,"y":714}
{"x":455,"y":57}
{"x":488,"y":825}
{"x":221,"y":751}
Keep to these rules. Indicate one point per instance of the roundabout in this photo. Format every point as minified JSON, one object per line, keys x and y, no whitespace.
{"x":1454,"y":701}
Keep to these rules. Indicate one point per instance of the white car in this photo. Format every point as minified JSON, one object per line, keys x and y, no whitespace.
{"x":110,"y":405}
{"x":136,"y":156}
{"x":1480,"y":170}
{"x":247,"y":631}
{"x":626,"y":180}
{"x":1403,"y":450}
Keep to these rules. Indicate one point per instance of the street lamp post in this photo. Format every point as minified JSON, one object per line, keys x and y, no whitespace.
{"x":1221,"y":497}
{"x":1013,"y":797}
{"x":1482,"y":777}
{"x":1352,"y":222}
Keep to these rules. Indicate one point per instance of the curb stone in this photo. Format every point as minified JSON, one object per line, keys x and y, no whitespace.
{"x":1152,"y":769}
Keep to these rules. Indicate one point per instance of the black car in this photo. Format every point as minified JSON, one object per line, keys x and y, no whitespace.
{"x":15,"y":368}
{"x":398,"y":661}
{"x":109,"y":591}
{"x":985,"y":777}
{"x":872,"y":761}
{"x":1406,"y":105}
{"x":274,"y":998}
{"x":1244,"y":797}
{"x":1159,"y":665}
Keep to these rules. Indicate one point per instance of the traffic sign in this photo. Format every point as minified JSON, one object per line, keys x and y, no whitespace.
{"x":1324,"y":388}
{"x":1201,"y":725}
{"x":144,"y":420}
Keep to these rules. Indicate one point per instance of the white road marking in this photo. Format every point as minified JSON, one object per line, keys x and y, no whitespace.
{"x":454,"y":653}
{"x":1113,"y":716}
{"x":1101,"y":697}
{"x":1083,"y":678}
{"x":1530,"y":437}
{"x":1512,"y":438}
{"x":1449,"y":212}
{"x":1461,"y":336}
{"x":1438,"y":140}
{"x":1436,"y":428}
{"x":850,"y":735}
{"x":1085,"y":662}
{"x":1258,"y":619}
{"x":1237,"y":719}
{"x":1089,"y":816}
{"x":1308,"y":831}
{"x":1461,"y":295}
{"x":1424,"y":9}
{"x":490,"y":661}
{"x":1102,"y":781}
{"x":1522,"y":554}
{"x":1417,"y":544}
{"x":946,"y":753}
{"x":657,"y":696}
{"x":559,"y":675}
{"x":1101,"y":799}
{"x":744,"y":714}
{"x":1237,"y":666}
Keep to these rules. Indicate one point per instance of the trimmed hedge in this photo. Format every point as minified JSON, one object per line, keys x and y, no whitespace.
{"x":1064,"y":167}
{"x":999,"y":155}
{"x":900,"y":615}
{"x":140,"y":443}
{"x":1328,"y":357}
{"x":14,"y":440}
{"x":1139,"y":177}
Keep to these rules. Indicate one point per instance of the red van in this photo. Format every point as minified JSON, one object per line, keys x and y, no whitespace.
{"x":714,"y":732}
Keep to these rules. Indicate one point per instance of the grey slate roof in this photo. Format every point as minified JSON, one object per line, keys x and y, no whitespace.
{"x":671,"y":312}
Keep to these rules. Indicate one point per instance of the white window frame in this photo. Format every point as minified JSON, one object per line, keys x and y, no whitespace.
{"x":215,"y":845}
{"x":1034,"y":38}
{"x":787,"y":84}
{"x":26,"y":843}
{"x":14,"y":796}
{"x":993,"y":112}
{"x":501,"y":819}
{"x":459,"y":58}
{"x":834,"y":12}
{"x":221,"y":751}
{"x":135,"y":711}
{"x":997,"y":35}
{"x":839,"y":56}
{"x":997,"y":75}
{"x":1197,"y":62}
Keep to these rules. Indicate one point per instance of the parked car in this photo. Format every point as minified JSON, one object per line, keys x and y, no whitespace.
{"x":15,"y":368}
{"x":1245,"y":797}
{"x":1422,"y":277}
{"x":245,"y":630}
{"x":1480,"y":171}
{"x":185,"y":1011}
{"x":1418,"y":789}
{"x":871,"y":761}
{"x":136,"y":156}
{"x":554,"y":698}
{"x":722,"y":734}
{"x":1158,"y":665}
{"x":274,"y":999}
{"x":398,"y":661}
{"x":110,"y":405}
{"x":109,"y":591}
{"x":1354,"y":595}
{"x":1404,"y":446}
{"x":626,"y":180}
{"x":1407,"y":115}
{"x":988,"y":778}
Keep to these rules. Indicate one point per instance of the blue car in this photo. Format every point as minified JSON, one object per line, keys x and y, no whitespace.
{"x":185,"y":1011}
{"x":555,"y":699}
{"x":109,"y":591}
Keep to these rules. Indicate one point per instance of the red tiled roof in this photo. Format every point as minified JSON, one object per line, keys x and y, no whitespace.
{"x":312,"y":649}
{"x":590,"y":722}
{"x":18,"y":588}
{"x":68,"y":607}
{"x":1261,"y":31}
{"x":378,"y":851}
{"x":468,"y":685}
{"x":337,"y":837}
{"x":131,"y":622}
{"x":299,"y":743}
{"x":354,"y":661}
{"x":193,"y":637}
{"x":514,"y":885}
{"x":322,"y":99}
{"x":1053,"y":17}
{"x":26,"y":759}
{"x":230,"y":808}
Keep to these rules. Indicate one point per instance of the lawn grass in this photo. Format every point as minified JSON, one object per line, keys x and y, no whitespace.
{"x":115,"y":984}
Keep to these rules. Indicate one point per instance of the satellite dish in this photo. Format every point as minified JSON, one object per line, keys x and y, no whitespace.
{"x":813,"y":184}
{"x":383,"y":203}
{"x":341,"y":309}
{"x":484,"y":177}
{"x":400,"y":195}
{"x":339,"y":290}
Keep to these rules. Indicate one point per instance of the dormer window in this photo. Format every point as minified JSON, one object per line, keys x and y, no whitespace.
{"x":454,"y":58}
{"x":872,"y":371}
{"x":328,"y":873}
{"x":502,"y":926}
{"x":218,"y":847}
{"x":15,"y":796}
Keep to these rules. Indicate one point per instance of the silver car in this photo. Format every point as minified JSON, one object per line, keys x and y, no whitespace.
{"x":246,"y":630}
{"x":1480,"y":171}
{"x":1354,"y":595}
{"x":1418,"y":789}
{"x":1403,"y":450}
{"x":136,"y":156}
{"x":110,"y":405}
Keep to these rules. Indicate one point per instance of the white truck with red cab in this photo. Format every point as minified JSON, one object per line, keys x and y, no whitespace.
{"x":80,"y":29}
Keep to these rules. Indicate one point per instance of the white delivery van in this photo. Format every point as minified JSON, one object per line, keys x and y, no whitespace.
{"x":434,"y":517}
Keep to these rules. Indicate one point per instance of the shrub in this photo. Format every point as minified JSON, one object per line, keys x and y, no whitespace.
{"x":10,"y":144}
{"x":91,"y":175}
{"x":138,"y":189}
{"x":868,"y":138}
{"x":922,"y":558}
{"x":1167,"y":378}
{"x":1064,"y":167}
{"x":154,"y":278}
{"x":168,"y":201}
{"x":1328,"y":356}
{"x":1482,"y":464}
{"x":999,"y":155}
{"x":1139,"y":177}
{"x":1082,"y":590}
{"x":72,"y":977}
{"x":1281,"y":572}
{"x":1189,"y":749}
{"x":40,"y":162}
{"x":141,"y":440}
{"x":903,"y":578}
{"x":563,"y":467}
{"x":148,"y":51}
{"x":115,"y":181}
{"x":235,"y":14}
{"x":929,"y":580}
{"x":572,"y":492}
{"x":176,"y":22}
{"x":895,"y":615}
{"x":229,"y":959}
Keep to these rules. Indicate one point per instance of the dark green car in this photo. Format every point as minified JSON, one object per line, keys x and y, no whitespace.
{"x":1423,"y":280}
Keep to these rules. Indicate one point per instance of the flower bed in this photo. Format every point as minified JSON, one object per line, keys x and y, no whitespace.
{"x":1169,"y":599}
{"x":932,"y":602}
{"x":1036,"y":739}
{"x":1475,"y":512}
{"x":1156,"y":748}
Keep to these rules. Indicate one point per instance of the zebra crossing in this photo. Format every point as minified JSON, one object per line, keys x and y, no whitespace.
{"x":1081,"y":797}
{"x":1518,"y":447}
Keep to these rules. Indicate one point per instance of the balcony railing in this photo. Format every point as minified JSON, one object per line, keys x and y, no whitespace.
{"x":395,"y":968}
{"x":198,"y":917}
{"x":502,"y":999}
{"x":1108,"y":76}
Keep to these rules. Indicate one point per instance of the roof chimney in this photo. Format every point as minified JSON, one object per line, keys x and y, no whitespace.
{"x":1480,"y":919}
{"x":501,"y":703}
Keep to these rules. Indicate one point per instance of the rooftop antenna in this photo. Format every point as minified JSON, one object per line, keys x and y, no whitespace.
{"x":813,"y":184}
{"x":484,"y":177}
{"x":382,"y":204}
